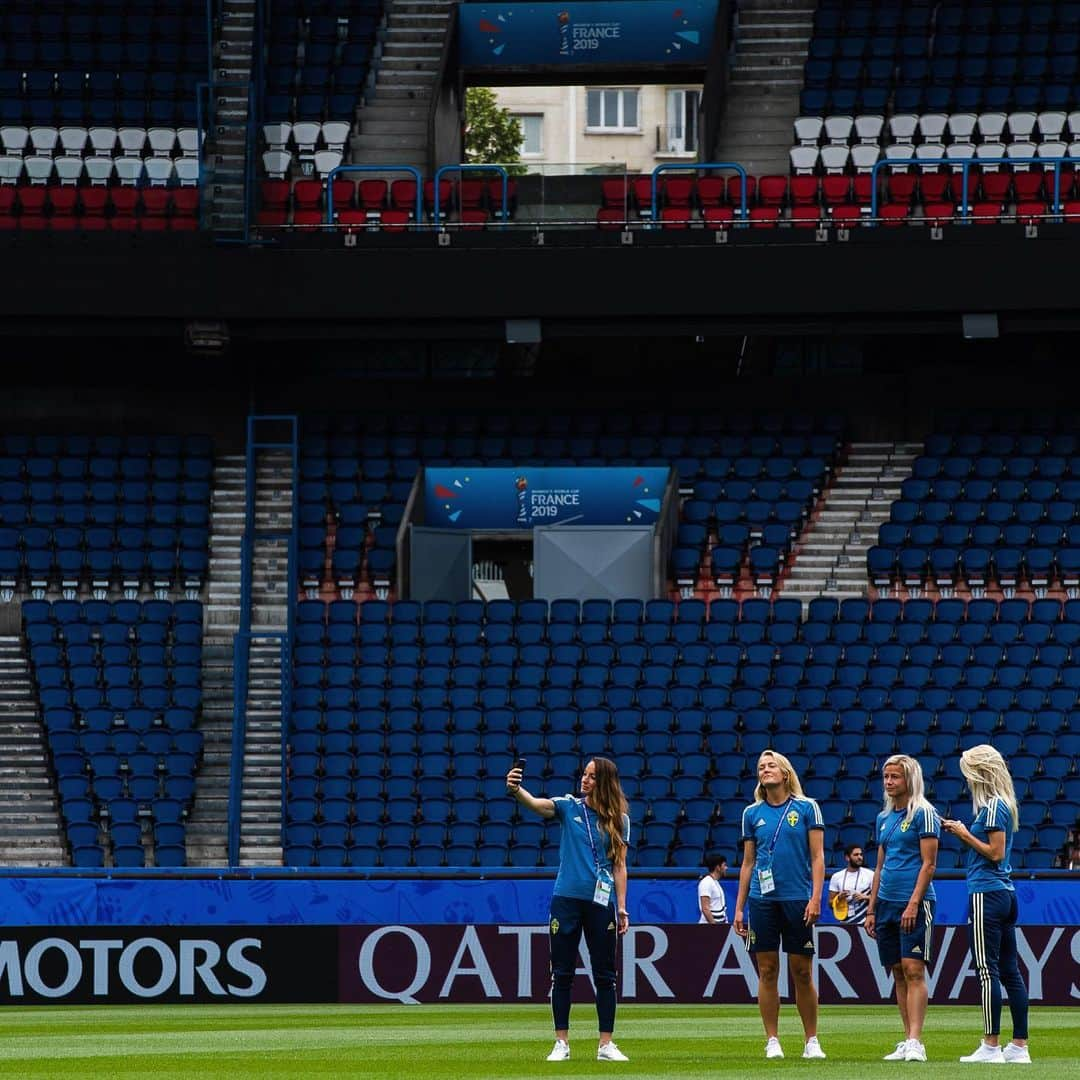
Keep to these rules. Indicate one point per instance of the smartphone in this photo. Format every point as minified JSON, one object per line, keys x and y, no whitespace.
{"x":519,"y":763}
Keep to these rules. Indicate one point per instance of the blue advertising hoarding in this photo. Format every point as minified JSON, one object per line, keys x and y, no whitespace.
{"x":522,"y":498}
{"x":568,"y":34}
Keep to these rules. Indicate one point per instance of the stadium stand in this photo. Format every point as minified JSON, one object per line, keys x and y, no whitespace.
{"x":119,"y":687}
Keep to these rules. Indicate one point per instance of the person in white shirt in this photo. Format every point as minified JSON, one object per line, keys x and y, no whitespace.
{"x":849,"y":889}
{"x":711,"y":897}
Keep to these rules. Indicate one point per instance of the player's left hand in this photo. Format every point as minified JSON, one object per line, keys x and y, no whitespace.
{"x":623,"y":922}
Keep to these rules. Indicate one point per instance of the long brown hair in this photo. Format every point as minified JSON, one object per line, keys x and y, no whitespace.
{"x":610,"y":804}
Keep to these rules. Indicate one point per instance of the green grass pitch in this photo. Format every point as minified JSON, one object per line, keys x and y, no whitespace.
{"x":234,"y":1042}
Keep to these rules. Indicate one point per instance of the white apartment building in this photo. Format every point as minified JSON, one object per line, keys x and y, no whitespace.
{"x":581,"y":129}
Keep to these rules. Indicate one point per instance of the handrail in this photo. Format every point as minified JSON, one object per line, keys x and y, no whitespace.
{"x":472,"y":167}
{"x":243,"y":638}
{"x":694,"y":166}
{"x":374,"y":168}
{"x":964,"y":168}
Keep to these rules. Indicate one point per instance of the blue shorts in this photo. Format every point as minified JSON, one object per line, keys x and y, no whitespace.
{"x":893,"y":945}
{"x":774,"y":921}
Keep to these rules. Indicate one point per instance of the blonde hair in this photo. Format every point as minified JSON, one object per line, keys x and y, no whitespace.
{"x":988,"y":777}
{"x":611,"y":806}
{"x":791,"y":777}
{"x":916,"y":789}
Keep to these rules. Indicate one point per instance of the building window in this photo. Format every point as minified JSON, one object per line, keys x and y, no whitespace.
{"x":532,"y":133}
{"x":611,"y":110}
{"x":680,"y":134}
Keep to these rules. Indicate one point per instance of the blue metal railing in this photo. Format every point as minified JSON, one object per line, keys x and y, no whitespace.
{"x":696,"y":166}
{"x":411,"y":170}
{"x":242,"y":640}
{"x":964,"y":169}
{"x":472,"y":168}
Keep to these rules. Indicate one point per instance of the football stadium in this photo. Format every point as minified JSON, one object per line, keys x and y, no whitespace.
{"x":345,"y":469}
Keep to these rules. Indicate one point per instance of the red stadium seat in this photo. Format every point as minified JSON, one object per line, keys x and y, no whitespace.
{"x":8,"y":222}
{"x":446,"y":196}
{"x":678,"y":191}
{"x":32,"y":201}
{"x":1030,"y":213}
{"x":473,"y":218}
{"x":805,"y":217}
{"x":154,"y":224}
{"x":272,"y":219}
{"x":308,"y":217}
{"x":33,"y":222}
{"x":155,"y":202}
{"x":675,"y":217}
{"x":64,"y":201}
{"x":124,"y":200}
{"x":846,"y":215}
{"x":764,"y":217}
{"x":734,"y":189}
{"x":804,"y":190}
{"x":938,"y":213}
{"x":275,"y":194}
{"x":614,"y":193}
{"x":710,"y":191}
{"x":835,"y":189}
{"x":895,"y":214}
{"x":717,"y":217}
{"x":63,"y":222}
{"x":611,"y":217}
{"x":344,"y":193}
{"x":89,"y":223}
{"x":773,"y":190}
{"x":353,"y":220}
{"x":126,"y":222}
{"x":183,"y":224}
{"x":862,"y":189}
{"x":935,"y":187}
{"x":1028,"y":186}
{"x":185,"y":201}
{"x":986,"y":213}
{"x":403,"y":195}
{"x":395,"y":220}
{"x":995,"y":186}
{"x":372,"y":194}
{"x":470,"y":195}
{"x":7,"y":199}
{"x":900,"y":187}
{"x":642,"y":189}
{"x":307,"y":194}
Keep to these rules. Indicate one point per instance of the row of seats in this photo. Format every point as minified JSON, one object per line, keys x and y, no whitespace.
{"x":1048,"y":126}
{"x":77,"y":141}
{"x":987,"y":157}
{"x":100,"y":171}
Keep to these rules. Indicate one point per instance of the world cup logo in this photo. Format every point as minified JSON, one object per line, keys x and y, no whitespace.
{"x":521,"y":484}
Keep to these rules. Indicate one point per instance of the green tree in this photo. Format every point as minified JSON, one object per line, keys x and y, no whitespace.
{"x":491,"y":133}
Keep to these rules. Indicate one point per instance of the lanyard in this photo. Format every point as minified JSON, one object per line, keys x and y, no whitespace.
{"x":885,"y":839}
{"x":588,"y":832}
{"x":779,"y":826}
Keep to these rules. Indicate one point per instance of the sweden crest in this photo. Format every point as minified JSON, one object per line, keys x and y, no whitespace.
{"x":793,"y":819}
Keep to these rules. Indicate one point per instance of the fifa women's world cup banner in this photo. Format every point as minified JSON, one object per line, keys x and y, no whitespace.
{"x":522,"y":498}
{"x":470,"y":963}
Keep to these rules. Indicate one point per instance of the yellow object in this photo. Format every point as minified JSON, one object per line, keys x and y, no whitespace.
{"x":840,"y":906}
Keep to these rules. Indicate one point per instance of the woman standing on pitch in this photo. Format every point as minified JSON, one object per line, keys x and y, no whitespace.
{"x":589,"y":896}
{"x":781,"y":878}
{"x":992,"y":901}
{"x":901,"y":910}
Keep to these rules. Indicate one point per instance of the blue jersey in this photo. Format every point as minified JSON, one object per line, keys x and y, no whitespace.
{"x":983,"y":875}
{"x":903,"y":852}
{"x":578,"y":867}
{"x":790,"y":824}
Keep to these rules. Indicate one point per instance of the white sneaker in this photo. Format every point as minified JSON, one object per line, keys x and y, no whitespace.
{"x":915,"y":1051}
{"x":608,"y":1052}
{"x":991,"y":1055}
{"x":1016,"y":1055}
{"x":773,"y":1049}
{"x":812,"y":1049}
{"x":899,"y":1053}
{"x":560,"y":1051}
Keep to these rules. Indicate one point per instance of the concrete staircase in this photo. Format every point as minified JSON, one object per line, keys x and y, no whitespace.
{"x":226,"y":149}
{"x":831,"y":556}
{"x":260,"y":816}
{"x":31,"y":833}
{"x":207,"y":824}
{"x":392,"y":126}
{"x":771,"y":42}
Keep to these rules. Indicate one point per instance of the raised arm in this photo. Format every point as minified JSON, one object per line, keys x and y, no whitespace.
{"x":543,"y":807}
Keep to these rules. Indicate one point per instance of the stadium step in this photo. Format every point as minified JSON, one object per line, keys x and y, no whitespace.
{"x":29,"y":809}
{"x":830,"y":559}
